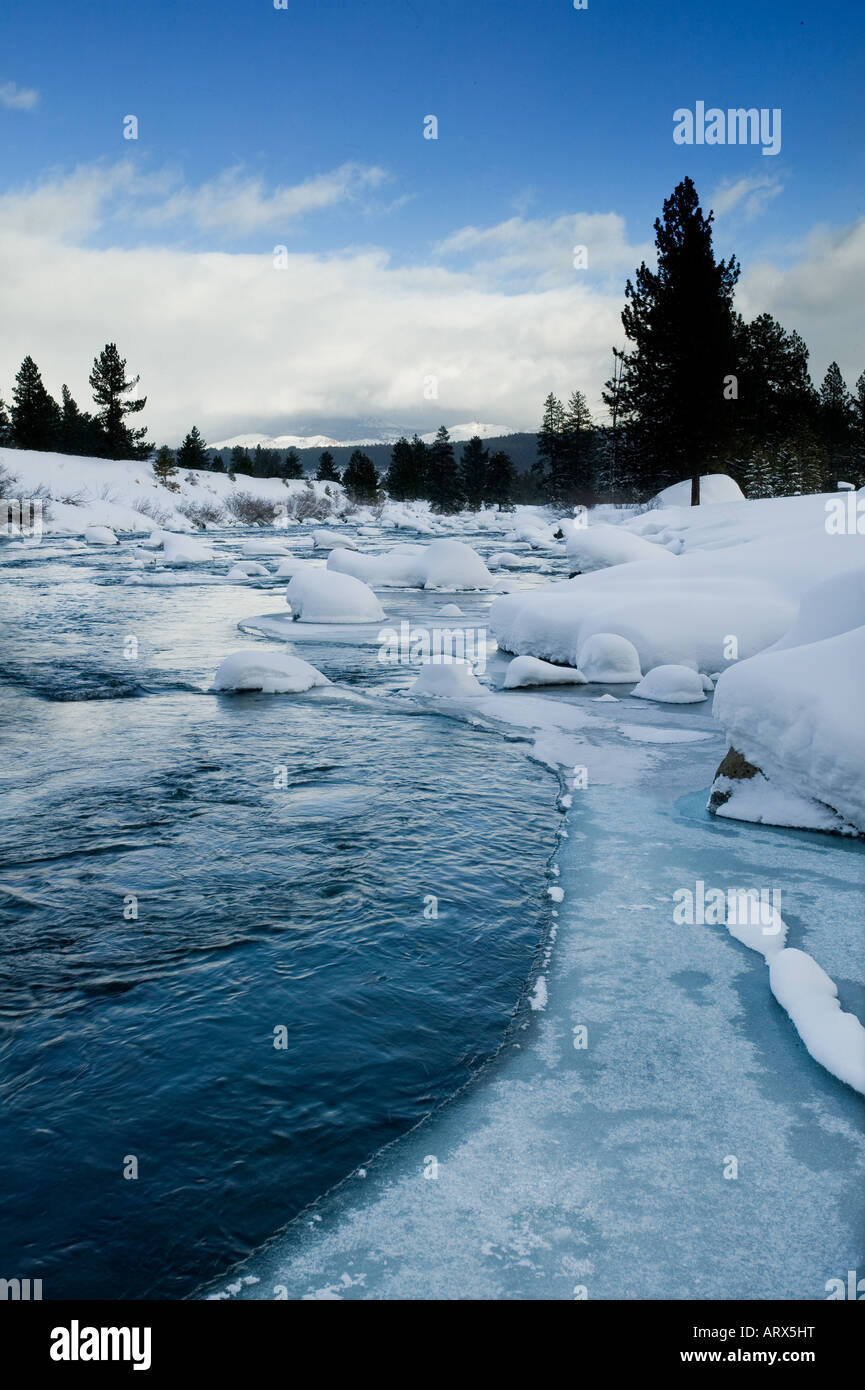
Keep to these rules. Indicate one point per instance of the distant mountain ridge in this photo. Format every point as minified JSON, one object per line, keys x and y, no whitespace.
{"x":458,"y":433}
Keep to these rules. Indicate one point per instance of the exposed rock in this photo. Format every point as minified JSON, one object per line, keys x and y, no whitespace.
{"x":732,"y":768}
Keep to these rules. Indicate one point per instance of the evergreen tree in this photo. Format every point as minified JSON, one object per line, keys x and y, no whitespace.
{"x":291,"y":466}
{"x":443,"y":478}
{"x":360,"y":479}
{"x":500,"y":481}
{"x":110,"y":385}
{"x":35,"y":414}
{"x":327,"y":471}
{"x":5,"y":427}
{"x":473,"y":472}
{"x":580,"y":451}
{"x":548,"y":467}
{"x":421,"y":467}
{"x":759,"y":472}
{"x":165,"y":469}
{"x":78,"y":432}
{"x":774,"y":389}
{"x":837,"y":421}
{"x":193,"y":451}
{"x":681,"y":323}
{"x":240,"y":460}
{"x":858,"y":452}
{"x":400,"y":478}
{"x":216,"y":464}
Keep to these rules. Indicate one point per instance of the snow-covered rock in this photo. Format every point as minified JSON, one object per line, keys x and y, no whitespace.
{"x":529,"y":670}
{"x":274,"y":673}
{"x":607,"y":659}
{"x":331,"y":540}
{"x":795,"y":712}
{"x":445,"y":564}
{"x":289,"y":565}
{"x":100,"y":535}
{"x":672,"y":685}
{"x":324,"y":596}
{"x":182,"y":550}
{"x":453,"y":679}
{"x":247,"y":569}
{"x":264,"y":547}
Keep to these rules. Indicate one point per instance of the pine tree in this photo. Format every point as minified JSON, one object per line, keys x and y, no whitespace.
{"x":443,"y":478}
{"x":548,"y":467}
{"x":360,"y":479}
{"x":580,"y":451}
{"x":216,"y":464}
{"x":240,"y":460}
{"x":759,"y":472}
{"x":774,"y":389}
{"x":500,"y":481}
{"x":193,"y":451}
{"x":858,"y":459}
{"x":681,"y":323}
{"x":400,"y":477}
{"x":473,"y":472}
{"x":109,"y":384}
{"x":837,"y":421}
{"x":35,"y":414}
{"x":78,"y":432}
{"x":327,"y":471}
{"x":291,"y":466}
{"x":165,"y":469}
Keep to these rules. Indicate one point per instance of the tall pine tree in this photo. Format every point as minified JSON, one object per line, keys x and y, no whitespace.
{"x":35,"y":414}
{"x":681,"y":323}
{"x":837,"y":421}
{"x":473,"y":472}
{"x":443,"y":481}
{"x":548,"y":467}
{"x":360,"y":479}
{"x":192,"y":452}
{"x":500,"y":481}
{"x":580,"y":449}
{"x":110,"y":386}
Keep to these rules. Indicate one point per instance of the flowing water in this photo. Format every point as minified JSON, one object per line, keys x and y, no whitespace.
{"x":246,"y":940}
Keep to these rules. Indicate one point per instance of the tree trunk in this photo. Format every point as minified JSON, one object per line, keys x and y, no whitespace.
{"x":695,"y":490}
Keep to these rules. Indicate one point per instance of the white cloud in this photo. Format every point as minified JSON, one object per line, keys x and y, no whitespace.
{"x":227,"y":341}
{"x":16,"y":98}
{"x":820,"y":295}
{"x":749,"y":195}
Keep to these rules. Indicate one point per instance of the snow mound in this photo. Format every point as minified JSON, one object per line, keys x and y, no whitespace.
{"x":274,"y":673}
{"x":100,"y":535}
{"x":451,"y":679}
{"x":714,"y":487}
{"x":323,"y":596}
{"x":447,"y":565}
{"x":672,"y":685}
{"x":607,"y":659}
{"x":290,"y":565}
{"x":181,"y":550}
{"x":264,"y":547}
{"x":450,"y":610}
{"x":506,"y":560}
{"x":330,"y":540}
{"x":599,"y":546}
{"x":247,"y":570}
{"x":529,"y":670}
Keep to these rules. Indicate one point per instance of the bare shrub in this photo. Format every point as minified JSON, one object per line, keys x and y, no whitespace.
{"x":202,"y":513}
{"x":250,"y":510}
{"x":148,"y":507}
{"x":306,"y":506}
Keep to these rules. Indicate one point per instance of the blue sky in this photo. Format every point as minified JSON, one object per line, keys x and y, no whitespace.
{"x":545,"y":113}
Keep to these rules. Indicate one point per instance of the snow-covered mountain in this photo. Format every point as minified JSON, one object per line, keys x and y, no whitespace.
{"x":458,"y":433}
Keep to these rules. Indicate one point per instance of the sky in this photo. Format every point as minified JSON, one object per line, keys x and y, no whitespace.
{"x":421,"y":280}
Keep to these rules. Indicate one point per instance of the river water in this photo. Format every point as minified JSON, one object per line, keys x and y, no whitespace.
{"x":246,"y":940}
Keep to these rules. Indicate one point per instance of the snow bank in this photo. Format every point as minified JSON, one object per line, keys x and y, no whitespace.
{"x":322,"y":596}
{"x":598,"y":546}
{"x":100,"y":535}
{"x":673,"y":685}
{"x":795,"y":712}
{"x":449,"y":565}
{"x":451,"y":679}
{"x":274,"y":673}
{"x":528,"y":671}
